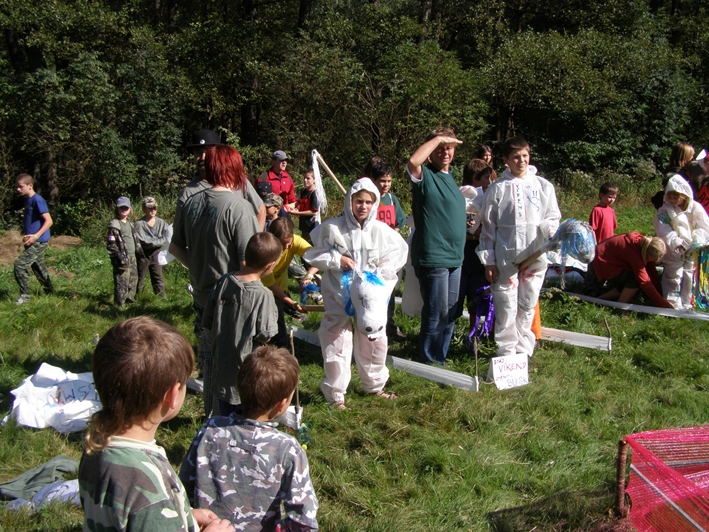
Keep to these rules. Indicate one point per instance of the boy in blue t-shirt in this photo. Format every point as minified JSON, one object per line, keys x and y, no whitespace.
{"x":37,"y":222}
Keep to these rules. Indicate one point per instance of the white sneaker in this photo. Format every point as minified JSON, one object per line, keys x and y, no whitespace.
{"x":24,"y":298}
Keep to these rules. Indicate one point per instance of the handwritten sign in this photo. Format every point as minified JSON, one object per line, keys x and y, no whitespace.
{"x":69,"y":391}
{"x":510,"y":371}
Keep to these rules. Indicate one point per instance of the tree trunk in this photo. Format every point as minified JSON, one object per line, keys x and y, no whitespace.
{"x":52,"y":190}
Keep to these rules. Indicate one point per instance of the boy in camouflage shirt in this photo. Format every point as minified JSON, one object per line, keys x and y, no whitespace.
{"x":125,"y":480}
{"x":241,"y":467}
{"x":122,"y":248}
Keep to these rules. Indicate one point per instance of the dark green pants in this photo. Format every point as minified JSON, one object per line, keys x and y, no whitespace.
{"x":32,"y":258}
{"x":125,"y":282}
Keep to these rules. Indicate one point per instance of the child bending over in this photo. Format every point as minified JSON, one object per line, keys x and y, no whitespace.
{"x":140,"y":369}
{"x":241,"y":467}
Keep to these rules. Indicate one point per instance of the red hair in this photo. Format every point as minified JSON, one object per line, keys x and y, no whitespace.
{"x":224,"y":167}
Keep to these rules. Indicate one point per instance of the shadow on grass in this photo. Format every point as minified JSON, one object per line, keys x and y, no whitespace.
{"x":172,"y":314}
{"x":566,"y":510}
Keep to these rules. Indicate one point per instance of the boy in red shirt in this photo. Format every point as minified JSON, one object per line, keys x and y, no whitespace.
{"x":602,"y":218}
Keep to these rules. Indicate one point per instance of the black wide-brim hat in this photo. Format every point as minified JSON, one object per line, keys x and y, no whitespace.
{"x":205,"y":137}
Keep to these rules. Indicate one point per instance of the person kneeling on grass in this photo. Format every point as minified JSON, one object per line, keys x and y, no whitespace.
{"x":140,"y":369}
{"x":625,"y":264}
{"x":356,"y":241}
{"x":244,"y":469}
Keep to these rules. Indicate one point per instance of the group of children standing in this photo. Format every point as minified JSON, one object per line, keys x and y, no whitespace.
{"x":240,"y":471}
{"x":134,"y":250}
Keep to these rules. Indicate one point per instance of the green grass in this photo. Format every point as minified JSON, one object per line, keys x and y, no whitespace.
{"x":539,"y":457}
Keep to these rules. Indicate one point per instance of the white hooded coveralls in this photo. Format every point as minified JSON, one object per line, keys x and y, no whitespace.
{"x":518,"y":216}
{"x":374,"y":245}
{"x":680,"y":229}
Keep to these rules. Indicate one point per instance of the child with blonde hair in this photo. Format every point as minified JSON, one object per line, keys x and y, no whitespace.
{"x":140,"y":369}
{"x":681,"y":223}
{"x":625,"y":264}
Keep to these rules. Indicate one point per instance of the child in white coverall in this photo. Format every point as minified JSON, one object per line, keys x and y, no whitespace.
{"x":355,"y":241}
{"x":519,"y":213}
{"x":680,"y":222}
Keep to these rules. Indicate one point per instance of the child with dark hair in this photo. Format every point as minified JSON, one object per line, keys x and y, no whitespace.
{"x":389,"y":212}
{"x":240,"y":311}
{"x":477,"y":176}
{"x":244,"y":469}
{"x":602,"y":217}
{"x":308,"y":207}
{"x":140,"y":369}
{"x":519,"y":214}
{"x":484,"y":153}
{"x":122,"y":247}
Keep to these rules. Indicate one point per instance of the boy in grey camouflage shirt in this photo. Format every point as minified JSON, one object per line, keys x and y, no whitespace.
{"x":241,"y":467}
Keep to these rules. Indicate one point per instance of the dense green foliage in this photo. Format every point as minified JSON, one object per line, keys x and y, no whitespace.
{"x":100,"y":97}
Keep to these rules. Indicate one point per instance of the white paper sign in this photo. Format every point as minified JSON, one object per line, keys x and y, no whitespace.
{"x":510,"y":371}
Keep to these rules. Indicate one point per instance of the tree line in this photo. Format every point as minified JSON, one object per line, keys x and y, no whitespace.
{"x":99,"y":97}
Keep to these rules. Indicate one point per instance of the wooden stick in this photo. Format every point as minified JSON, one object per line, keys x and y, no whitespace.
{"x":620,"y":507}
{"x":327,"y":169}
{"x":314,"y":308}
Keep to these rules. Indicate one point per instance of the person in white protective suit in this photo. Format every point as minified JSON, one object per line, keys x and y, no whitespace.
{"x":682,"y":224}
{"x":355,"y":241}
{"x":519,"y":213}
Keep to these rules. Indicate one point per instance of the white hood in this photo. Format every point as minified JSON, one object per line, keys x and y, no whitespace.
{"x":677,"y":183}
{"x":363,"y":183}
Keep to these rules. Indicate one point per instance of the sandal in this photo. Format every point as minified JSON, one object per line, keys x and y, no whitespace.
{"x":338,"y":405}
{"x":391,"y":396}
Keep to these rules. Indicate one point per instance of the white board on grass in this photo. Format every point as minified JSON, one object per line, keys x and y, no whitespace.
{"x":510,"y":371}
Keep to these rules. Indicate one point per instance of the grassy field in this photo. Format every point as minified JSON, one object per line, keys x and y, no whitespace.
{"x":540,"y":457}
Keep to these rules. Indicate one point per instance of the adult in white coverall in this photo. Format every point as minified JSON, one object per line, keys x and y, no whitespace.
{"x":520,"y":212}
{"x":341,"y":244}
{"x":680,"y":223}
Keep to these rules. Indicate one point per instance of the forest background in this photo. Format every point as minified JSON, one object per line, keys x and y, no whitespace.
{"x":99,"y":98}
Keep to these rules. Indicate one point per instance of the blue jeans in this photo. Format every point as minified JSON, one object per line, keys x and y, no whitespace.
{"x":439,"y":291}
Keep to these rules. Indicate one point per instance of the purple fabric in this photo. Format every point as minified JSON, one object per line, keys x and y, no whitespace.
{"x":484,"y":316}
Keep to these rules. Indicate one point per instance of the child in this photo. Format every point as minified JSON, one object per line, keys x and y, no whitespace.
{"x":241,"y":467}
{"x":680,"y":222}
{"x":307,"y":207}
{"x":277,"y":280}
{"x":140,"y":370}
{"x":390,"y":212}
{"x":625,"y":264}
{"x":240,"y":310}
{"x":519,"y":213}
{"x":355,"y":241}
{"x":477,"y":175}
{"x":602,"y":218}
{"x":122,"y":248}
{"x":37,"y":222}
{"x":150,"y":234}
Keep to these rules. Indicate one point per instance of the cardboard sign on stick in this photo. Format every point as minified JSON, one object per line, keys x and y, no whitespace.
{"x":510,"y":371}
